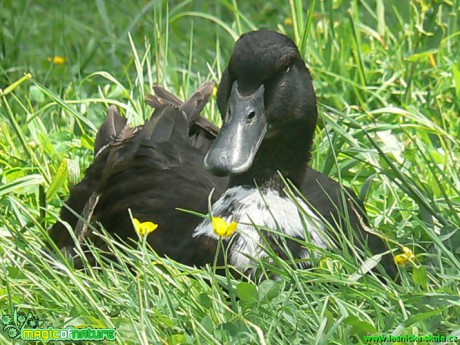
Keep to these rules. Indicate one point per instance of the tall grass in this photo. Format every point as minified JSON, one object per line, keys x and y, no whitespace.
{"x":387,"y":75}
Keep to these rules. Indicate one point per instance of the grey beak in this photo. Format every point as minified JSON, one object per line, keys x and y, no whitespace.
{"x":243,"y":130}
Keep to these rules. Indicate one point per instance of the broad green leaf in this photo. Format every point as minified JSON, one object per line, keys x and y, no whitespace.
{"x":246,"y":292}
{"x":420,"y":277}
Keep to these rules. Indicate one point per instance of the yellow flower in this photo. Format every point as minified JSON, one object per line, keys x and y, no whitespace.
{"x":403,"y":259}
{"x":144,"y":228}
{"x":222,"y":228}
{"x":57,"y":60}
{"x":288,"y":21}
{"x":214,"y":91}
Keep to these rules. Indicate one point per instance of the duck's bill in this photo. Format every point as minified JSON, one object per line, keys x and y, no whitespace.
{"x":244,"y":128}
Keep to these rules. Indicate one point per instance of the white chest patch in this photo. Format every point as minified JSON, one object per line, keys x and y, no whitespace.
{"x":251,"y":207}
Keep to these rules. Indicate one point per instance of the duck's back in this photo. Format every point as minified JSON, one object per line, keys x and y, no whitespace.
{"x":163,"y":173}
{"x":152,"y":171}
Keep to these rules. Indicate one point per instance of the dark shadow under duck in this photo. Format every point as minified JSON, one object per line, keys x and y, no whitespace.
{"x":150,"y":170}
{"x":268,"y":106}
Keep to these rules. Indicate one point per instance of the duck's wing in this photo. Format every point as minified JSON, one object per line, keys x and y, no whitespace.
{"x":158,"y":171}
{"x":113,"y":129}
{"x":166,"y":123}
{"x":116,"y":146}
{"x":133,"y":169}
{"x":341,"y":208}
{"x":173,"y":121}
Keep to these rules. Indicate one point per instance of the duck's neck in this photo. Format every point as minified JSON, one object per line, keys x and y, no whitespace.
{"x":287,"y":153}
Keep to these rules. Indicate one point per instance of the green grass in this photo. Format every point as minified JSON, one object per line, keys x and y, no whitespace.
{"x":387,"y":76}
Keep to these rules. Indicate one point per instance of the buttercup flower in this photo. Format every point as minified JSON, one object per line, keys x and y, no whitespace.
{"x":57,"y":60}
{"x":144,"y":228}
{"x":407,"y":256}
{"x":222,"y":228}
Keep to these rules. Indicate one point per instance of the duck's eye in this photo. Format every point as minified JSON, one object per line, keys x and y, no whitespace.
{"x":287,"y":69}
{"x":251,"y":116}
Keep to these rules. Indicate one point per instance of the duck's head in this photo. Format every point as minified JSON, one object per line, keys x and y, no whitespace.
{"x":265,"y":94}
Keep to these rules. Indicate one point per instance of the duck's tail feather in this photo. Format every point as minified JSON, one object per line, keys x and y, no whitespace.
{"x":164,"y":122}
{"x":193,"y":106}
{"x":110,"y":129}
{"x":198,"y":126}
{"x":162,"y":98}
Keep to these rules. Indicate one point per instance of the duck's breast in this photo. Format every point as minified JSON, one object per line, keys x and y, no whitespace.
{"x":262,"y":215}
